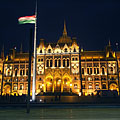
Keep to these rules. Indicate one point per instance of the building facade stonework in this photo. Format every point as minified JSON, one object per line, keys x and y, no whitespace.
{"x":58,"y":69}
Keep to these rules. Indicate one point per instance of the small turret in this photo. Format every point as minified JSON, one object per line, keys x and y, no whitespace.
{"x":41,"y":42}
{"x":2,"y":53}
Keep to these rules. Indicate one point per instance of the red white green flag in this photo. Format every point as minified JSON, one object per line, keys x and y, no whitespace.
{"x":27,"y":19}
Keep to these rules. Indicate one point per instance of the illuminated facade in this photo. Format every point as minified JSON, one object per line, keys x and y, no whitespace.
{"x":58,"y":66}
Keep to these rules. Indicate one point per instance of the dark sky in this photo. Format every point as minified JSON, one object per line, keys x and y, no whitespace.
{"x":93,"y":22}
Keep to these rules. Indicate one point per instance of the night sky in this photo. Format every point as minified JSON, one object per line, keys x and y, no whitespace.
{"x":93,"y":22}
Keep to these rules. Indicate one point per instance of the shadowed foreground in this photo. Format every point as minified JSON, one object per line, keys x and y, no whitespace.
{"x":50,"y":113}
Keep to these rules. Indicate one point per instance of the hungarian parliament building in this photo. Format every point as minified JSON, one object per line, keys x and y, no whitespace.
{"x":61,"y":67}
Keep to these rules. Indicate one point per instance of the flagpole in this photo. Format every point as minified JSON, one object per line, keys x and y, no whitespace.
{"x":34,"y":58}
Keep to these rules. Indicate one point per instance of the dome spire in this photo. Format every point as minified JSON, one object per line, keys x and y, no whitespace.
{"x":64,"y":31}
{"x":109,"y":43}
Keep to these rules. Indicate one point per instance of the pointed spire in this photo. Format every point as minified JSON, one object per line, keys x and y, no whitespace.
{"x":64,"y":31}
{"x":21,"y":48}
{"x":109,"y":43}
{"x":2,"y":53}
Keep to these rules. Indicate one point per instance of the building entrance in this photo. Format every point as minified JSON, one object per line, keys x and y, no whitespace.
{"x":58,"y":85}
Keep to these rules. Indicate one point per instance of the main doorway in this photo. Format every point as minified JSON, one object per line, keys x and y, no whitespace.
{"x":58,"y":85}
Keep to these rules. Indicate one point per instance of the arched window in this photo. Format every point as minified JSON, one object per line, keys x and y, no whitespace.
{"x":88,"y":71}
{"x":38,"y":60}
{"x":47,"y":64}
{"x":83,"y":71}
{"x":40,"y":51}
{"x":73,"y":59}
{"x":49,"y":50}
{"x":56,"y":63}
{"x":103,"y":71}
{"x":15,"y":72}
{"x":64,"y":63}
{"x":41,"y":59}
{"x":27,"y":72}
{"x":111,"y":68}
{"x":94,"y":70}
{"x":97,"y":70}
{"x":66,"y":50}
{"x":76,"y":59}
{"x":21,"y":72}
{"x":74,"y":50}
{"x":59,"y":63}
{"x":50,"y":63}
{"x":67,"y":62}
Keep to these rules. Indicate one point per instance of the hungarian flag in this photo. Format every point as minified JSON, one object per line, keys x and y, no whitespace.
{"x":27,"y":19}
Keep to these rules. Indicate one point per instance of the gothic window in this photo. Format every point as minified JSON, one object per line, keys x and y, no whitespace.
{"x":15,"y":72}
{"x":38,"y":60}
{"x":96,"y":78}
{"x":27,"y":72}
{"x":76,"y":59}
{"x":41,"y":59}
{"x":64,"y":63}
{"x":50,"y":63}
{"x":67,"y":62}
{"x":90,"y":70}
{"x":94,"y":70}
{"x":8,"y":72}
{"x":111,"y":69}
{"x":49,"y":50}
{"x":56,"y":63}
{"x":83,"y":71}
{"x":47,"y":64}
{"x":97,"y":70}
{"x":21,"y":72}
{"x":74,"y":50}
{"x":66,"y":50}
{"x":73,"y":59}
{"x":103,"y":71}
{"x":40,"y":51}
{"x":59,"y":63}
